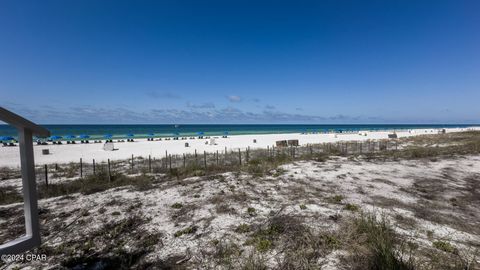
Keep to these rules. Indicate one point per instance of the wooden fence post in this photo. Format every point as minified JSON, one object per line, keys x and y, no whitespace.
{"x":205,"y":159}
{"x":109,"y":172}
{"x":46,"y":175}
{"x":184,"y":160}
{"x":166,"y":159}
{"x":196,"y":158}
{"x":132,"y":163}
{"x":94,"y":170}
{"x":239,"y":156}
{"x":81,"y":168}
{"x":217,"y":157}
{"x":170,"y":161}
{"x":150,"y":163}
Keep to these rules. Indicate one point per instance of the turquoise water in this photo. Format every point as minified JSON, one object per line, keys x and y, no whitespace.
{"x":141,"y":131}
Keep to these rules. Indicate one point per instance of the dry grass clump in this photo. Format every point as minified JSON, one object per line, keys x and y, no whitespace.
{"x":106,"y":247}
{"x":9,"y":195}
{"x":373,"y":244}
{"x":95,"y":183}
{"x":296,"y":245}
{"x":9,"y":173}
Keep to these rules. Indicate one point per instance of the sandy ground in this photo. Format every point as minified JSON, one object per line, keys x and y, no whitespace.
{"x":9,"y":156}
{"x":416,"y":195}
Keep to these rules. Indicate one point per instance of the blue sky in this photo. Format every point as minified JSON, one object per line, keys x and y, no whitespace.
{"x":333,"y":61}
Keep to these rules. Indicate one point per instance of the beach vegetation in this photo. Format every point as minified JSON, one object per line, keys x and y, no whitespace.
{"x":188,"y":230}
{"x":351,"y":207}
{"x":177,"y":205}
{"x":445,"y":246}
{"x":9,"y":194}
{"x":335,"y":199}
{"x":373,"y":244}
{"x":243,"y":228}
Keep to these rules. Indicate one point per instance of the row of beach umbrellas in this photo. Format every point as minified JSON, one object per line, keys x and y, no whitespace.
{"x":84,"y":136}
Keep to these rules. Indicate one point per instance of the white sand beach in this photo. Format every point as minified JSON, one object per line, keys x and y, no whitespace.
{"x":9,"y":156}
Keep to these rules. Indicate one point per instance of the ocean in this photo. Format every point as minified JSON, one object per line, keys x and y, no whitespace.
{"x":141,"y":131}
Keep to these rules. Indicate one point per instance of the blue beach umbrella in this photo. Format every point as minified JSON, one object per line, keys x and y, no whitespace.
{"x":6,"y":138}
{"x":108,"y":136}
{"x":55,"y":138}
{"x":83,"y":136}
{"x":130,"y":135}
{"x":200,"y":133}
{"x":150,"y":135}
{"x":69,"y":137}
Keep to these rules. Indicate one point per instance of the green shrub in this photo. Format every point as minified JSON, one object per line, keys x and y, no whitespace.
{"x":351,"y":207}
{"x":242,"y":228}
{"x":188,"y":230}
{"x":177,"y":205}
{"x":445,"y":246}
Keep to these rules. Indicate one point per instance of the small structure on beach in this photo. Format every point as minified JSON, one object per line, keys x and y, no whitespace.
{"x":392,"y":136}
{"x":293,"y":143}
{"x":283,"y":143}
{"x":26,"y":130}
{"x":108,"y":146}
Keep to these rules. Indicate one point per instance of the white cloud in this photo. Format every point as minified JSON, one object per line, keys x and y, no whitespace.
{"x":234,"y":98}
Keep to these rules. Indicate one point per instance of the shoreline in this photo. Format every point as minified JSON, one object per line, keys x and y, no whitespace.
{"x":98,"y":132}
{"x":65,"y":153}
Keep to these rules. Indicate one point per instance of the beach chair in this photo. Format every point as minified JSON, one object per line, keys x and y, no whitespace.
{"x":5,"y":144}
{"x":12,"y":144}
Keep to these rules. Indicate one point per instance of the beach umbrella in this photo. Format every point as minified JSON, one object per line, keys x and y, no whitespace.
{"x":69,"y":137}
{"x":83,"y":136}
{"x":55,"y":138}
{"x":200,"y":133}
{"x":130,"y":135}
{"x":6,"y":138}
{"x":150,"y":135}
{"x":108,"y":136}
